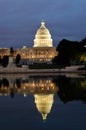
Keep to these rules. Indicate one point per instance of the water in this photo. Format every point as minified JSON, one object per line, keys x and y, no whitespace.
{"x":43,"y":102}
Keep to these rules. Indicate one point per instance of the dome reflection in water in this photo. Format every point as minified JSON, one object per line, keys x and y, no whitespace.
{"x":43,"y":90}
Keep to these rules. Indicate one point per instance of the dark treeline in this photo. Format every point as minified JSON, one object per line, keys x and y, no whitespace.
{"x":70,"y":53}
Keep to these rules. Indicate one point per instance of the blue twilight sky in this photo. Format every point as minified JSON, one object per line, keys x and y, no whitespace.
{"x":20,"y":19}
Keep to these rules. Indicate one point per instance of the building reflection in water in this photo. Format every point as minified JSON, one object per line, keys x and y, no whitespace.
{"x":43,"y":90}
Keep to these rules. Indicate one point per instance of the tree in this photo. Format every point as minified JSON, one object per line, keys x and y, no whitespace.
{"x":69,"y":52}
{"x":0,"y":60}
{"x":5,"y":61}
{"x":64,"y":55}
{"x":18,"y":58}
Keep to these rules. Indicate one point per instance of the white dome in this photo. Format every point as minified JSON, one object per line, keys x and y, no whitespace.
{"x":43,"y":37}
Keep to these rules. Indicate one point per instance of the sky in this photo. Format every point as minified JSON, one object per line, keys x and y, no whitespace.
{"x":20,"y":19}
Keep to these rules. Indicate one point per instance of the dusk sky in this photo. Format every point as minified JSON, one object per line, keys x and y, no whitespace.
{"x":20,"y":19}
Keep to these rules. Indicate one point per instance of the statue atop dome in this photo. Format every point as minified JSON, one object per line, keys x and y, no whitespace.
{"x":42,"y":23}
{"x":43,"y":37}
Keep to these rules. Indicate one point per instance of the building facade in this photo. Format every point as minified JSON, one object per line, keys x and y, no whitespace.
{"x":4,"y":51}
{"x":42,"y":50}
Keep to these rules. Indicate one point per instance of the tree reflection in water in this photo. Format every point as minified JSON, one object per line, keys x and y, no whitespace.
{"x":71,"y":88}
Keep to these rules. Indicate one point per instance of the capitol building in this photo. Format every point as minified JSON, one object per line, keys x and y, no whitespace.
{"x":42,"y":50}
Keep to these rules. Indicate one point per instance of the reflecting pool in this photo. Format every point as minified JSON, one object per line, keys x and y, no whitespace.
{"x":43,"y":102}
